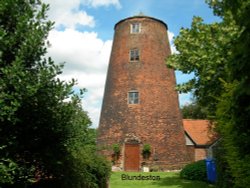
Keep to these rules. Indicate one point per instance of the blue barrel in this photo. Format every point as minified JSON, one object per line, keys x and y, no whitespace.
{"x":211,"y":170}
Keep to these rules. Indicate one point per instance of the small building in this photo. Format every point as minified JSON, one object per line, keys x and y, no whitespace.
{"x":200,"y":138}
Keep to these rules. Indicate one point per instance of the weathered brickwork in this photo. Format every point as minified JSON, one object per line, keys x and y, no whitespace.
{"x":156,"y":120}
{"x":200,"y":154}
{"x":191,"y":153}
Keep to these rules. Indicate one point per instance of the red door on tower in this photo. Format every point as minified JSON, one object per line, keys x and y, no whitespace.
{"x":132,"y":157}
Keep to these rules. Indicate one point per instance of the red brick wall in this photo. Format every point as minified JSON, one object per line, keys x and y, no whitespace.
{"x":191,"y":153}
{"x":200,"y":153}
{"x":156,"y":120}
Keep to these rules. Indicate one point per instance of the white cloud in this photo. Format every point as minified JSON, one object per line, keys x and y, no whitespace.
{"x":171,"y":41}
{"x":85,"y":54}
{"x":80,"y":49}
{"x":170,"y":36}
{"x":67,"y":13}
{"x":72,"y":19}
{"x":98,"y":3}
{"x":86,"y":58}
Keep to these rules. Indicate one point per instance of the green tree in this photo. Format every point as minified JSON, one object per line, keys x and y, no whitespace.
{"x":218,"y":54}
{"x":193,"y":111}
{"x":235,"y":101}
{"x":43,"y":138}
{"x":204,"y":50}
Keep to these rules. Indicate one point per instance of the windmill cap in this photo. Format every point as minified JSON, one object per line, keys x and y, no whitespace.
{"x":141,"y":15}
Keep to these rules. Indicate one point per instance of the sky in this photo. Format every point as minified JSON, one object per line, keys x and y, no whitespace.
{"x":83,"y":33}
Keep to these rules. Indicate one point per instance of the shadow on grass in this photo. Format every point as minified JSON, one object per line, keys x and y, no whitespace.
{"x":175,"y":181}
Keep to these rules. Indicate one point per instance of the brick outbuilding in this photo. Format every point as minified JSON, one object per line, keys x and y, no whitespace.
{"x":200,"y":138}
{"x":140,"y":105}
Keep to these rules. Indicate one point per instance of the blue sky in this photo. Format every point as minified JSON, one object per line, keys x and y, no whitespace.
{"x":83,"y":34}
{"x":176,"y":13}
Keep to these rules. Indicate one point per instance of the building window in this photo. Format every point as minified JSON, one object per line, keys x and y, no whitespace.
{"x":134,"y":55}
{"x":135,"y":28}
{"x":133,"y":97}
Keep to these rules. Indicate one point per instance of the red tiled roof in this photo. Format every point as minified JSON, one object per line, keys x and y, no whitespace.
{"x":200,"y":131}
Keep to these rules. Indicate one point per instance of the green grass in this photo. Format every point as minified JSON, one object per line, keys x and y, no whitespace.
{"x":167,"y":179}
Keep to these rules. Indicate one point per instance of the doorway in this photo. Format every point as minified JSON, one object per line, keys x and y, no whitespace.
{"x":132,"y":157}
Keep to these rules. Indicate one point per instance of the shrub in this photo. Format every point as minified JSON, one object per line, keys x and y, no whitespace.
{"x":116,"y":149}
{"x":195,"y":171}
{"x":224,"y":176}
{"x":146,"y":151}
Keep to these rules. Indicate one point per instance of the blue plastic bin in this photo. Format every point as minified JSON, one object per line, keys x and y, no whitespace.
{"x":211,"y":170}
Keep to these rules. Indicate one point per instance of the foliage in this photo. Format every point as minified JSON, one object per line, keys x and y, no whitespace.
{"x":195,"y":171}
{"x":204,"y":50}
{"x":233,"y":110}
{"x":224,"y":177}
{"x":193,"y":111}
{"x":44,"y":132}
{"x":116,"y":149}
{"x":219,"y":56}
{"x":234,"y":140}
{"x":146,"y":148}
{"x":116,"y":152}
{"x":7,"y":168}
{"x":146,"y":151}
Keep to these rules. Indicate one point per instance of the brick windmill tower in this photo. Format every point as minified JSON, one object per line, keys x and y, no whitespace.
{"x":140,"y":106}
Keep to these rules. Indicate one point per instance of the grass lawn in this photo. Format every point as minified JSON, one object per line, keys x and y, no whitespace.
{"x":163,"y":179}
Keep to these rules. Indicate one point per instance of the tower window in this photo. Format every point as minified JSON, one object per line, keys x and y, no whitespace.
{"x":133,"y":97}
{"x":134,"y":55}
{"x":135,"y":28}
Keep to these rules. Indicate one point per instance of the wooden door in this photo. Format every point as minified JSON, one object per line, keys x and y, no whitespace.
{"x":132,"y":157}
